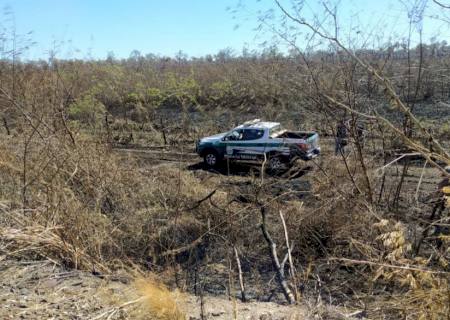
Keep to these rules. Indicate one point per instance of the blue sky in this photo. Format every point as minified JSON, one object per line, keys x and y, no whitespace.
{"x":92,"y":28}
{"x":197,"y":27}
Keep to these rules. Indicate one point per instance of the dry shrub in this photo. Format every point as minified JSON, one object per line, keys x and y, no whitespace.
{"x":366,"y":252}
{"x":426,"y":290}
{"x":45,"y":242}
{"x":145,"y":298}
{"x":425,"y":294}
{"x":311,"y":230}
{"x":181,"y":231}
{"x":181,"y":187}
{"x":182,"y":220}
{"x":97,"y":204}
{"x":158,"y":301}
{"x":65,"y":190}
{"x":333,"y":214}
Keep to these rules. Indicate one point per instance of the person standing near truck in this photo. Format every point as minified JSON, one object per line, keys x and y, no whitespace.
{"x":341,"y":138}
{"x":360,"y":133}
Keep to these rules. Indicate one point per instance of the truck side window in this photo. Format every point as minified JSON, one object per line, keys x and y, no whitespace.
{"x":234,"y":135}
{"x":253,"y":134}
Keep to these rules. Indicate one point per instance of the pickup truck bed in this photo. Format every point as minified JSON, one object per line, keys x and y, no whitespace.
{"x":303,"y":144}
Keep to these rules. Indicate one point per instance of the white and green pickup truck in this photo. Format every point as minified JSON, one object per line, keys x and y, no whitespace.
{"x":258,"y":141}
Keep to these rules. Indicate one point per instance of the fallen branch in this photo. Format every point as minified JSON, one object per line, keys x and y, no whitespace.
{"x":385,"y":265}
{"x":199,"y":202}
{"x":182,"y":249}
{"x":109,"y":313}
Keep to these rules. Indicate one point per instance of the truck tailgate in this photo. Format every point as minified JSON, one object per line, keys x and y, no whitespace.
{"x":313,"y":141}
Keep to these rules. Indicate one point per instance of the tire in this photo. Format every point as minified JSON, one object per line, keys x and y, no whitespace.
{"x":211,"y":159}
{"x":275,"y":164}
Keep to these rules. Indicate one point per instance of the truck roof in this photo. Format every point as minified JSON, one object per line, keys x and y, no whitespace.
{"x":258,"y":124}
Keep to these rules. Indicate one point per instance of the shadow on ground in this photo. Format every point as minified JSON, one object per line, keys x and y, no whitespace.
{"x":243,"y":169}
{"x":289,"y":184}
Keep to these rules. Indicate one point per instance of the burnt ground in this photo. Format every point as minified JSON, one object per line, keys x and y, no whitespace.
{"x":42,"y":289}
{"x":299,"y":179}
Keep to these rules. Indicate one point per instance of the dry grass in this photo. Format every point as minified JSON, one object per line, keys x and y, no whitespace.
{"x":31,"y":238}
{"x":85,"y":207}
{"x":90,"y":211}
{"x":158,"y":302}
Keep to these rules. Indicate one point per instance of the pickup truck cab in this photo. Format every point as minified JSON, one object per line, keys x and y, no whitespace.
{"x":258,"y":141}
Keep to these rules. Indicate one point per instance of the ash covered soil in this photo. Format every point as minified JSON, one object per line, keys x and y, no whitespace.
{"x":43,"y":290}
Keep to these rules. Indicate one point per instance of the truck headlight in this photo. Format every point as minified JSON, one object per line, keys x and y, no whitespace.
{"x":197,"y":143}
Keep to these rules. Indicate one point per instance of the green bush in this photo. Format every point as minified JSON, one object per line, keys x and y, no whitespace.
{"x":154,"y":97}
{"x":87,"y":110}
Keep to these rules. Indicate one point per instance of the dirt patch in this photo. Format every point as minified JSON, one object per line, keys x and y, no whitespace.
{"x":42,"y":290}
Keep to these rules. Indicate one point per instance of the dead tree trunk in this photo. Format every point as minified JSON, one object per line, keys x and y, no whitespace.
{"x":241,"y":278}
{"x":289,"y":255}
{"x":163,"y":130}
{"x":276,"y":262}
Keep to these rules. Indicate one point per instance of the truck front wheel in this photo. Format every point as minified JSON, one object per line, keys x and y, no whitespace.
{"x":211,"y":159}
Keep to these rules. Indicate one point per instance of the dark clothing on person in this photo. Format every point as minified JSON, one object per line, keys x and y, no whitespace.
{"x":341,"y":131}
{"x":360,"y":133}
{"x":341,"y":135}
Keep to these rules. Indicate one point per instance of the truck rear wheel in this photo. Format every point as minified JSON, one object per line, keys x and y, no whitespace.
{"x":275,"y":163}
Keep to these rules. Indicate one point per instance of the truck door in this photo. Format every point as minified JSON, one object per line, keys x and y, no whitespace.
{"x":245,"y":144}
{"x":234,"y":143}
{"x":254,"y":142}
